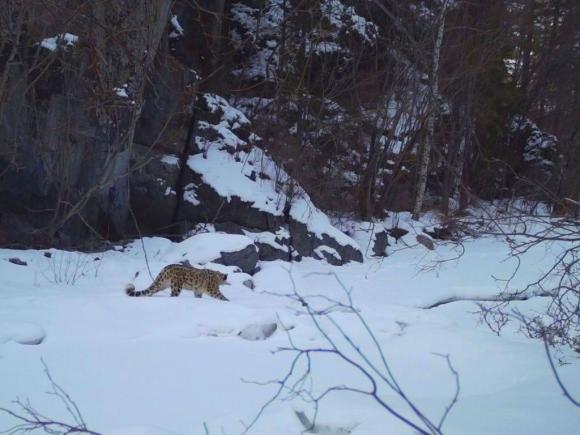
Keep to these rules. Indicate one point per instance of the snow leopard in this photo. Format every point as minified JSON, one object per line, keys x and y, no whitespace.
{"x":180,"y":277}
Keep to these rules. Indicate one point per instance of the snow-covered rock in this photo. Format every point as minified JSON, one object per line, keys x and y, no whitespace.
{"x":234,"y":181}
{"x":426,"y":241}
{"x":272,"y":246}
{"x":258,"y":331}
{"x":231,"y":181}
{"x":227,"y":249}
{"x":21,"y":332}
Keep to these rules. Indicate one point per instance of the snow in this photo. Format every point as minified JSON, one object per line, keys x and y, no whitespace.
{"x":262,"y":194}
{"x":344,"y":17}
{"x":66,"y":39}
{"x":258,"y":331}
{"x":177,"y":29}
{"x":321,"y":250}
{"x":262,"y":28}
{"x":170,"y":159}
{"x":21,"y":332}
{"x":232,"y":116}
{"x":540,"y":147}
{"x":269,"y":238}
{"x":234,"y":182}
{"x":189,"y":194}
{"x":165,"y":365}
{"x":121,"y":92}
{"x":142,"y":430}
{"x":205,"y":247}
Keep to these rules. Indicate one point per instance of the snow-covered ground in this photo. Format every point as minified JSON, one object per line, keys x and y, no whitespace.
{"x":164,"y":365}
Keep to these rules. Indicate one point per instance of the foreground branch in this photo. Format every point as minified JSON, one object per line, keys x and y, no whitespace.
{"x":30,"y":419}
{"x":298,"y":381}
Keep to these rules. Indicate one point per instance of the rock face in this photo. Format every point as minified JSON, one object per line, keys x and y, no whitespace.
{"x":153,"y":196}
{"x":149,"y":149}
{"x":66,"y":136}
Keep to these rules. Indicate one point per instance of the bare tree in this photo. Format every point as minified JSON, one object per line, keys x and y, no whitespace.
{"x":560,"y":282}
{"x":425,"y":152}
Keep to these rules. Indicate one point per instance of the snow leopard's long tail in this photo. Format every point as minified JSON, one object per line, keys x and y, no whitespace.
{"x":130,"y":290}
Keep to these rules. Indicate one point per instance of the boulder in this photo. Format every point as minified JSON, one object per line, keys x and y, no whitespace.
{"x":445,"y":232}
{"x":397,"y":233}
{"x":246,"y":259}
{"x":426,"y":241}
{"x":381,"y":241}
{"x":17,"y":261}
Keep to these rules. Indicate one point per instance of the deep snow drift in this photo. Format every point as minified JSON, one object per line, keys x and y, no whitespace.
{"x":164,"y":365}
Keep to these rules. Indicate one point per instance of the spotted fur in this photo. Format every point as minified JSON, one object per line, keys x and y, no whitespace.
{"x":180,"y":277}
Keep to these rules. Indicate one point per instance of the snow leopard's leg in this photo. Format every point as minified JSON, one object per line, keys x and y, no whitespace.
{"x":175,"y":288}
{"x":214,"y":292}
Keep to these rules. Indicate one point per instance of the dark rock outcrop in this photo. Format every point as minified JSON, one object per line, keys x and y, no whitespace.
{"x":306,"y":243}
{"x":101,"y":143}
{"x":153,"y":196}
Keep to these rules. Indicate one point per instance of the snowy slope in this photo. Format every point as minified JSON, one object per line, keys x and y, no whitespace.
{"x":166,"y":365}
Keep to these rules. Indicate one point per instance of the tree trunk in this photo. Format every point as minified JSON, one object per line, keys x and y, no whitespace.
{"x":433,"y":106}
